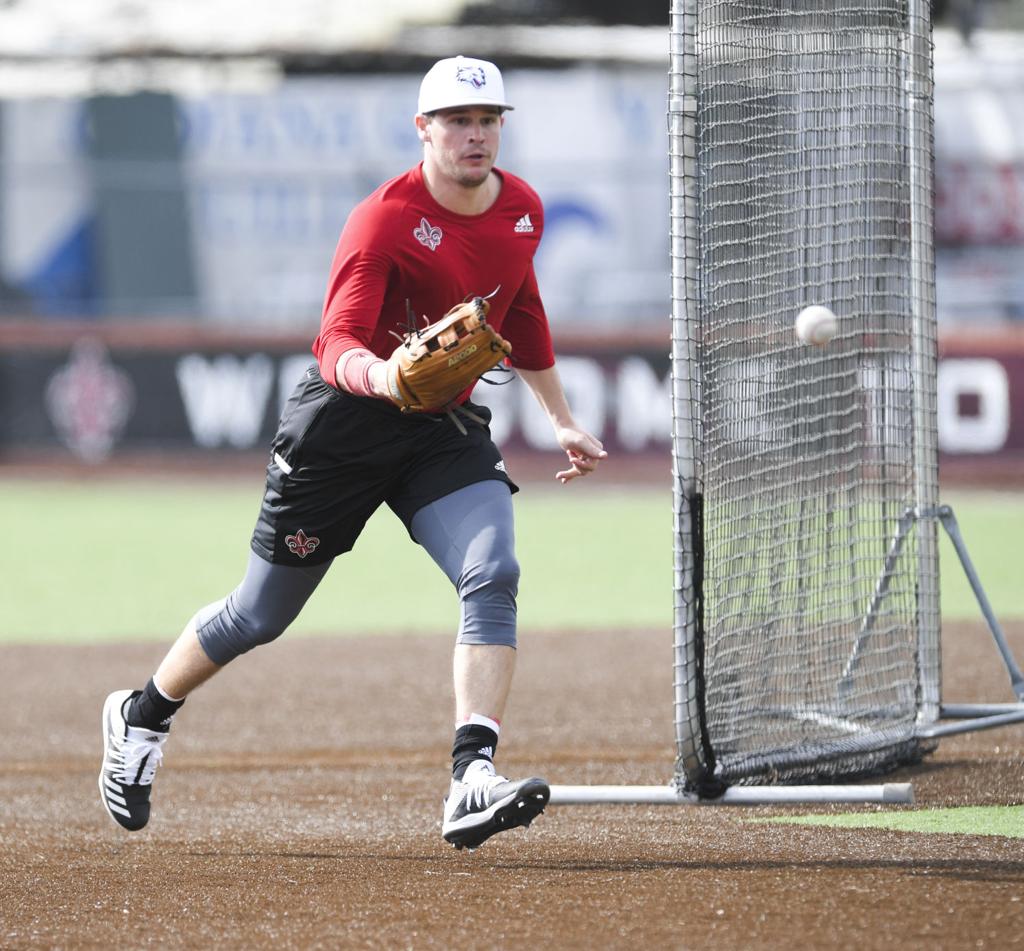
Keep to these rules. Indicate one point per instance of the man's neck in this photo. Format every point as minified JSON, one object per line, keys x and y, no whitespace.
{"x":462,"y":199}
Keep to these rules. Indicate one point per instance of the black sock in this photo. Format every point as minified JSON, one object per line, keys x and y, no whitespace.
{"x":151,"y":710}
{"x":472,"y":742}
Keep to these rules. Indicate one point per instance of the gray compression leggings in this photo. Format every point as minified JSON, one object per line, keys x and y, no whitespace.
{"x":470,"y":535}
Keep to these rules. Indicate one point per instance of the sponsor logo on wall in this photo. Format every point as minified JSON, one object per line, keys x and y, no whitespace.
{"x":89,"y":400}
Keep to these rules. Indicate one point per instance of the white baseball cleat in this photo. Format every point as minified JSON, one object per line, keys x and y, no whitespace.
{"x":130,"y":758}
{"x":483,"y":804}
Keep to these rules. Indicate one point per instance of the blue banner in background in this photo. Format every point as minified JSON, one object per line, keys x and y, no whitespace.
{"x":270,"y":178}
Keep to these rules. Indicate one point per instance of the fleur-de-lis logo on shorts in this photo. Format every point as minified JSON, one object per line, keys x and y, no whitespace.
{"x":301,"y":544}
{"x":427,"y":234}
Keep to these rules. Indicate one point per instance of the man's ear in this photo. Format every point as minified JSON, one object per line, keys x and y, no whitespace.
{"x":423,"y":128}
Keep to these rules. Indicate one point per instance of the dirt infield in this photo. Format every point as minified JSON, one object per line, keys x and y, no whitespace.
{"x":300,"y":808}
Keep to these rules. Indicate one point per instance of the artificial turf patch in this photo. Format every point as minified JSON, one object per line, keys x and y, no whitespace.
{"x":962,"y":820}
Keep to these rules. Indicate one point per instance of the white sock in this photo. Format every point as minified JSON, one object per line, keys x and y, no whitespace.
{"x":478,"y":719}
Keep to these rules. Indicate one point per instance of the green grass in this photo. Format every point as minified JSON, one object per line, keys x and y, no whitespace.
{"x":110,"y":560}
{"x":94,"y":561}
{"x":966,"y":820}
{"x":992,"y":524}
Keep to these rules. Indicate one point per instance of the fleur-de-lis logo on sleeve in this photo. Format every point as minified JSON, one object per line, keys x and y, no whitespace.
{"x":428,"y":234}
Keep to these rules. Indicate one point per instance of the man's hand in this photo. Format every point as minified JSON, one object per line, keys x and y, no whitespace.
{"x":584,"y":452}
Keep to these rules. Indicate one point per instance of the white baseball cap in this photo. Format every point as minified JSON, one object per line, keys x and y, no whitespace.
{"x":461,"y":81}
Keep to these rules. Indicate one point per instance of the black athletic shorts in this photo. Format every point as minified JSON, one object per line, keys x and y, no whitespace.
{"x":336,"y":457}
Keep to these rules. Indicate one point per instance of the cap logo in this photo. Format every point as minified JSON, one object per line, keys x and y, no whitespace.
{"x":471,"y":75}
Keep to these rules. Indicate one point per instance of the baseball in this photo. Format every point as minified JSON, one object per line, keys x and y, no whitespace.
{"x":816,"y":325}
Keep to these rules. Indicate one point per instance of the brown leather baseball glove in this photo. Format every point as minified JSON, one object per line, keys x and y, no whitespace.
{"x":432,"y":366}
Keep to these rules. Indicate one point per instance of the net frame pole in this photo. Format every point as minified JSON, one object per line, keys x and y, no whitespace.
{"x":919,"y":96}
{"x":967,"y":710}
{"x":973,"y":725}
{"x":903,"y":528}
{"x":692,"y":754}
{"x":902,"y":793}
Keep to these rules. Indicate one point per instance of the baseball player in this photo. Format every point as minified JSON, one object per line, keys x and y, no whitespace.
{"x":361,"y":429}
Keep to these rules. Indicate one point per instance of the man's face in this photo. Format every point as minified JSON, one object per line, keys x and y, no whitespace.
{"x":462,"y":143}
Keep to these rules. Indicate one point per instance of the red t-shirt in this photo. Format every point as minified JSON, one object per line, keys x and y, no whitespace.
{"x":400,"y":245}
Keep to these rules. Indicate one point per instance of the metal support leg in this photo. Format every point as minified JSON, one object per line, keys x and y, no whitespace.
{"x":949,"y":522}
{"x":970,"y":716}
{"x":903,"y":527}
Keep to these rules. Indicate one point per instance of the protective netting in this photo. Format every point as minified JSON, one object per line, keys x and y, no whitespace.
{"x":814,"y":651}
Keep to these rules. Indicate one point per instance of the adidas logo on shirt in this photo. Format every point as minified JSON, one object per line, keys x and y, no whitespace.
{"x":524,"y":225}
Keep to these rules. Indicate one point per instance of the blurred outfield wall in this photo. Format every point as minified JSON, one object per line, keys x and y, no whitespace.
{"x":73,"y":394}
